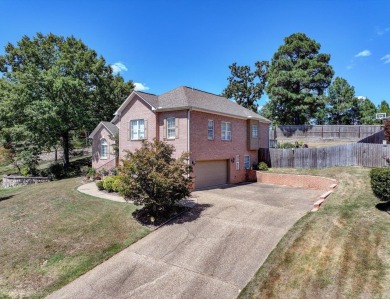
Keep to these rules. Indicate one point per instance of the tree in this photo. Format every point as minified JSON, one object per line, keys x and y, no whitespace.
{"x":297,"y":78}
{"x":384,"y":107}
{"x":152,"y":177}
{"x":366,"y":111}
{"x":245,"y":86}
{"x":55,"y":85}
{"x":341,"y":102}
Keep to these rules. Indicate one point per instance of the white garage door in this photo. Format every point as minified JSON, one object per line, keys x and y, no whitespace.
{"x":211,"y":173}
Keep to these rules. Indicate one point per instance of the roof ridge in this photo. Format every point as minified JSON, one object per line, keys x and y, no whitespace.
{"x":152,"y":94}
{"x":218,"y":95}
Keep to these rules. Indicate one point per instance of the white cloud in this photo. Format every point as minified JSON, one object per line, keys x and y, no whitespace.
{"x":141,"y":86}
{"x":364,"y":53}
{"x":380,"y":31}
{"x":118,"y":67}
{"x":386,"y":58}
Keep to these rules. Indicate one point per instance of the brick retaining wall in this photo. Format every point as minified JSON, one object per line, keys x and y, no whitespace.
{"x":295,"y":180}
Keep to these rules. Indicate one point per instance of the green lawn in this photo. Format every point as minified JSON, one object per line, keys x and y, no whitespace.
{"x":341,"y":251}
{"x":50,"y":234}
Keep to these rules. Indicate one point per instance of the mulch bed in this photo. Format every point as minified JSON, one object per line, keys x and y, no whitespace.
{"x":154,"y":219}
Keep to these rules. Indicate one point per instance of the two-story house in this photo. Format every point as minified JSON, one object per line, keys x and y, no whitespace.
{"x":221,"y":136}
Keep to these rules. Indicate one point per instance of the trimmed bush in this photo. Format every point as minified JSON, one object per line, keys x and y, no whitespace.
{"x":107,"y":184}
{"x":117,"y":185}
{"x":100,"y":185}
{"x":262,"y":166}
{"x":380,"y":182}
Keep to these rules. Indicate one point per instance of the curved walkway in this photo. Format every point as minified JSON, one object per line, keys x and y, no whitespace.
{"x":92,"y":189}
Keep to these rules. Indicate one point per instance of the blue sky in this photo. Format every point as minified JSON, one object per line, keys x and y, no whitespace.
{"x":161,"y":45}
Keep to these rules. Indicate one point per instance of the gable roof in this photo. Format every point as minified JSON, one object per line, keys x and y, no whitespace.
{"x":185,"y":97}
{"x":110,"y":127}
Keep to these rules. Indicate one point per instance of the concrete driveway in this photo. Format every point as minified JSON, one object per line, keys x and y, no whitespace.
{"x":210,"y":252}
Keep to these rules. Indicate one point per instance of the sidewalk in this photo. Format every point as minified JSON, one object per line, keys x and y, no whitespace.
{"x":92,"y":189}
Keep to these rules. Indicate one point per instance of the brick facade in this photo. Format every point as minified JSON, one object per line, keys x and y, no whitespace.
{"x":197,"y":143}
{"x":136,"y":109}
{"x":97,"y":162}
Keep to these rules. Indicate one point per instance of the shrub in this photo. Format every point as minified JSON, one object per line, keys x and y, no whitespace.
{"x":285,"y":145}
{"x":100,"y":185}
{"x":91,"y":172}
{"x":117,"y":185}
{"x":380,"y":182}
{"x":262,"y":166}
{"x":107,"y":184}
{"x":56,"y":170}
{"x":153,"y":178}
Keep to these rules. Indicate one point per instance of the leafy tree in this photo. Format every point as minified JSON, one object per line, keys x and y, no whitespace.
{"x":55,"y":85}
{"x":341,"y":103}
{"x":297,"y":78}
{"x":384,"y":107}
{"x":245,"y":86}
{"x":153,"y":178}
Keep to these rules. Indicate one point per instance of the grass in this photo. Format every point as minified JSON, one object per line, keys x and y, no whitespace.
{"x":51,"y":234}
{"x":341,"y":251}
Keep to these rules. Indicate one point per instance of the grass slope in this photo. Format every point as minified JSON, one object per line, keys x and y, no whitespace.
{"x":50,"y":234}
{"x":341,"y":251}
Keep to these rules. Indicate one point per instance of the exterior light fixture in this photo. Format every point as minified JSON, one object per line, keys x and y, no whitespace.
{"x":232,"y":160}
{"x":193,"y":162}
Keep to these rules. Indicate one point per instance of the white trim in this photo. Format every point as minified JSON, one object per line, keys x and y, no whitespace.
{"x":138,"y":129}
{"x":101,"y":146}
{"x":226,"y":131}
{"x":174,"y":127}
{"x":213,"y":138}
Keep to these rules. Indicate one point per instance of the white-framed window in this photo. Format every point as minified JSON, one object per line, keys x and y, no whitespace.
{"x":171,"y":128}
{"x":137,"y":129}
{"x":247,"y":162}
{"x":103,"y":149}
{"x":210,"y":130}
{"x":255,"y":131}
{"x":237,"y":162}
{"x":226,"y":131}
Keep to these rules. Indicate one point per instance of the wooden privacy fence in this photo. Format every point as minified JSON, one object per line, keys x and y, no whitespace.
{"x":354,"y":154}
{"x":350,"y":132}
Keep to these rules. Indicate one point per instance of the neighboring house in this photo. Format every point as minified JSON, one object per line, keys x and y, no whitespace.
{"x":221,"y":136}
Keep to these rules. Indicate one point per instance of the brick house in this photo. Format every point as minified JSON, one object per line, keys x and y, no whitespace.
{"x":221,"y":136}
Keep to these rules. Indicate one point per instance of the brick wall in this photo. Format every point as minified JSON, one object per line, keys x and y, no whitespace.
{"x":263,"y":135}
{"x":136,"y":109}
{"x":180,"y":142}
{"x":203,"y":149}
{"x":97,"y":162}
{"x":294,"y":180}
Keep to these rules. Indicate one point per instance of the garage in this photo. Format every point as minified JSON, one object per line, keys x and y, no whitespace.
{"x":211,"y":173}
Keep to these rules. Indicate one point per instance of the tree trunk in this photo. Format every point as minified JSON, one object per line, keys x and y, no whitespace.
{"x":55,"y":154}
{"x":65,"y":147}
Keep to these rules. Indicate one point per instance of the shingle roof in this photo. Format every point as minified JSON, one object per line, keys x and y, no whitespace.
{"x":185,"y":97}
{"x":113,"y":129}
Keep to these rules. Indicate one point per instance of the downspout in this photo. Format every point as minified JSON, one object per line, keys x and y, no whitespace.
{"x":188,"y":138}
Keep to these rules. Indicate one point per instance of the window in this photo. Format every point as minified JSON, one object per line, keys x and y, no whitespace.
{"x":226,"y":131}
{"x":171,"y":128}
{"x":247,"y":162}
{"x":137,"y":129}
{"x":255,"y":131}
{"x":103,"y":149}
{"x":210,"y":130}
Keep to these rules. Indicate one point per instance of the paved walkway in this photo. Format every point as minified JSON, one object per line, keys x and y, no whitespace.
{"x":212,"y":251}
{"x":92,"y":189}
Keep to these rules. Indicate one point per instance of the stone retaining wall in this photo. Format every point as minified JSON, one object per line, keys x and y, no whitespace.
{"x":13,"y":181}
{"x":295,"y":180}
